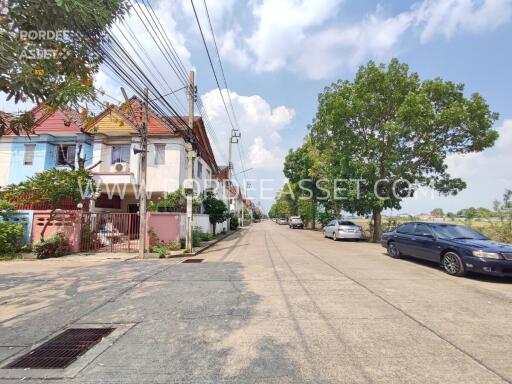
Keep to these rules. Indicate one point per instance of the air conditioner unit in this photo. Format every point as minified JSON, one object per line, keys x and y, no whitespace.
{"x":121,"y":167}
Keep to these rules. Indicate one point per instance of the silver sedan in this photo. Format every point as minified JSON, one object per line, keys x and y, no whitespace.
{"x":340,"y":229}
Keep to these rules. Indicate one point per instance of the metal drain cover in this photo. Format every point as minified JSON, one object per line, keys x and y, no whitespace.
{"x":193,"y":261}
{"x":62,"y":350}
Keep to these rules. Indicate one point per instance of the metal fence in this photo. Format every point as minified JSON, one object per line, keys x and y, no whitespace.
{"x":109,"y":232}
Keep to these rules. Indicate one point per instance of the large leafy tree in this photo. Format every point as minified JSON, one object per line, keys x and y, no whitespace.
{"x":285,"y":204}
{"x":303,"y":167}
{"x":51,"y":188}
{"x":49,"y":52}
{"x":388,"y":129}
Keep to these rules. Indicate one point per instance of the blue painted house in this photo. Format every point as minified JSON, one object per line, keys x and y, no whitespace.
{"x":57,"y":139}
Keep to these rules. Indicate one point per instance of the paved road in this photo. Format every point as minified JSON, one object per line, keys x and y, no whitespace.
{"x":268,"y":305}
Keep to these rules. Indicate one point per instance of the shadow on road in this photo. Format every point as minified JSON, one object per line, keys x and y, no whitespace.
{"x":470,"y":275}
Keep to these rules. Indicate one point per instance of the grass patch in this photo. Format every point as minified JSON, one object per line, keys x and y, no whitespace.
{"x":9,"y":256}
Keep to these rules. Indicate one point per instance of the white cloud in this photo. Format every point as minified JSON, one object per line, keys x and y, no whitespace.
{"x":229,"y":49}
{"x":447,"y":17}
{"x":262,"y":158}
{"x":260,"y":126}
{"x":486,"y":173}
{"x":490,"y":165}
{"x":327,"y":51}
{"x":306,"y":37}
{"x":281,"y":28}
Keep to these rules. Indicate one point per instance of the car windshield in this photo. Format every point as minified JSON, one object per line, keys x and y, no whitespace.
{"x":296,"y":219}
{"x":345,"y":223}
{"x":457,"y":232}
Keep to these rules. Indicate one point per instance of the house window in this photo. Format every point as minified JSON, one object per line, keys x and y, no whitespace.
{"x":120,"y":154}
{"x":65,"y":154}
{"x":28,"y":158}
{"x":159,"y":154}
{"x":199,"y":169}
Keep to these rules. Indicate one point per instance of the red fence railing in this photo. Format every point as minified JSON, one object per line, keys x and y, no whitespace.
{"x":109,"y":232}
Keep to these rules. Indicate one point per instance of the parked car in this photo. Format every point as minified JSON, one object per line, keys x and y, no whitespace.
{"x":457,"y":248}
{"x":282,"y":221}
{"x":342,"y":229}
{"x":295,"y":222}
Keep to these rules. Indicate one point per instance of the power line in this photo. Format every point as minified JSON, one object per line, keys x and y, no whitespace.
{"x":240,"y":146}
{"x":211,"y":63}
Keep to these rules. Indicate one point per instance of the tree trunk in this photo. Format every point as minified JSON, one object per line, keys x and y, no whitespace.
{"x":313,"y":225}
{"x":50,"y":219}
{"x":377,"y":225}
{"x":214,"y":226}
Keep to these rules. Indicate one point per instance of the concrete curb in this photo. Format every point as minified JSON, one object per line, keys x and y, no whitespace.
{"x":210,"y":244}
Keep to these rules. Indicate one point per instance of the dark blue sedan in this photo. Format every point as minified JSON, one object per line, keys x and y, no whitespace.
{"x":457,"y":248}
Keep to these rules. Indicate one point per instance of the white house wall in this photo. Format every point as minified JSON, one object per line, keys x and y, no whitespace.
{"x":165,"y":177}
{"x":5,"y":160}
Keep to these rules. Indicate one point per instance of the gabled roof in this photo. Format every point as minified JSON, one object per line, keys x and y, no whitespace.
{"x":118,"y":120}
{"x":158,"y":126}
{"x":47,"y":120}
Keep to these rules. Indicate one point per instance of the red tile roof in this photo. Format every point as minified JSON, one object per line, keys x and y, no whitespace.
{"x":64,"y":120}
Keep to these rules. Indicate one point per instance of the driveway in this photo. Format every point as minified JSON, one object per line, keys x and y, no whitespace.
{"x":268,"y":305}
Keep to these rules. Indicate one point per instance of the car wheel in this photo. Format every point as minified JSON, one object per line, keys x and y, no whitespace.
{"x":334,"y":237}
{"x":325,"y":234}
{"x":393,"y":250}
{"x":453,"y":265}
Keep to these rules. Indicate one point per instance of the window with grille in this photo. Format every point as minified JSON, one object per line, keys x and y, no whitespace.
{"x":66,"y":154}
{"x":120,"y":154}
{"x":159,"y":154}
{"x":199,"y":169}
{"x":28,"y":157}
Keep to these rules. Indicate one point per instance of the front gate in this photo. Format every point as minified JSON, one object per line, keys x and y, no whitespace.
{"x":109,"y":232}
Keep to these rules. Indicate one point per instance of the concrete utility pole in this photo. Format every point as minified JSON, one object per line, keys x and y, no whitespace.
{"x":243,"y":208}
{"x":233,"y":139}
{"x":142,"y":177}
{"x":191,"y":155}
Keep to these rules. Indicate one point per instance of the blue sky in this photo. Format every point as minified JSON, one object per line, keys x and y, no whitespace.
{"x":279,"y":54}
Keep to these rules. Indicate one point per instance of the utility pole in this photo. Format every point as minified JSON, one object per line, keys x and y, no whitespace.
{"x":191,"y":154}
{"x":233,"y":139}
{"x":142,"y":177}
{"x":243,"y":208}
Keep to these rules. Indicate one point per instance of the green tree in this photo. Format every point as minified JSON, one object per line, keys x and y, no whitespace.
{"x":303,"y":169}
{"x":393,"y":131}
{"x":79,"y":28}
{"x":437,"y":212}
{"x":483,"y":212}
{"x":257,"y":214}
{"x":216,"y":209}
{"x":285,"y":204}
{"x":507,"y":199}
{"x":468,"y":213}
{"x":51,"y":188}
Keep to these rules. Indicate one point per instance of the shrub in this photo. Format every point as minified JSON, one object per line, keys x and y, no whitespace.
{"x":233,"y":222}
{"x":160,"y":249}
{"x":55,"y":246}
{"x":501,"y":232}
{"x":197,"y":235}
{"x":182,"y":243}
{"x":173,"y":245}
{"x":11,"y":237}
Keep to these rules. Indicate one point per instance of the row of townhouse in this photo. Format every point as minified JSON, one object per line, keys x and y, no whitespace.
{"x":107,"y":146}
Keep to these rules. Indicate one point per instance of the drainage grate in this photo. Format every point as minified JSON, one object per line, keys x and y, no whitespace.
{"x":193,"y":261}
{"x":62,"y":350}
